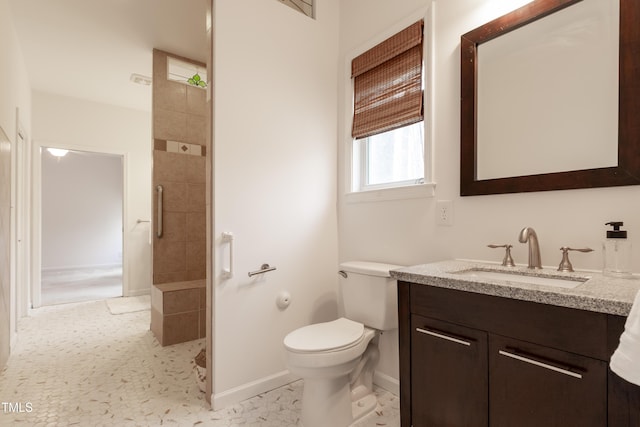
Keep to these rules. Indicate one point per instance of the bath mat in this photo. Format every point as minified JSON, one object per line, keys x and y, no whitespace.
{"x":129,"y":304}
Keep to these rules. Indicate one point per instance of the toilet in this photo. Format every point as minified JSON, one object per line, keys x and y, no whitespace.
{"x":337,"y":359}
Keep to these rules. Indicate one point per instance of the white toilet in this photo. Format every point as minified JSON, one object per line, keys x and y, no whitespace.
{"x":337,"y":359}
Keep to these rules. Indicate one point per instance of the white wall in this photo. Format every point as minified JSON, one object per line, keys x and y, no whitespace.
{"x":405,"y":231}
{"x":14,"y":85}
{"x":6,"y":287}
{"x":81,"y":210}
{"x":275,"y":184}
{"x":15,"y":100}
{"x":76,"y":124}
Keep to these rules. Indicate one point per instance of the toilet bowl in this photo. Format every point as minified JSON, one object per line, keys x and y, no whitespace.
{"x":337,"y":359}
{"x":325,"y":355}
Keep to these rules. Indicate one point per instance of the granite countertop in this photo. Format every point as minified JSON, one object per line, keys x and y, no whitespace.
{"x":598,"y":293}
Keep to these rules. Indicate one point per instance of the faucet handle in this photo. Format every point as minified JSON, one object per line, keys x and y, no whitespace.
{"x":507,"y":260}
{"x":565,"y":264}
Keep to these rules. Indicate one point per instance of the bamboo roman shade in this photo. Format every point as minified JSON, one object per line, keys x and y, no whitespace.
{"x":388,"y":84}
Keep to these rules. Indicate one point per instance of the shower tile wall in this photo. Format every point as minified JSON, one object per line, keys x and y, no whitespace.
{"x":179,"y":131}
{"x":179,"y":256}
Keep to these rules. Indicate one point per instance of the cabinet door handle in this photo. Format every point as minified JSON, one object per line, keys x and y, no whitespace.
{"x":540,"y":364}
{"x":442,"y":336}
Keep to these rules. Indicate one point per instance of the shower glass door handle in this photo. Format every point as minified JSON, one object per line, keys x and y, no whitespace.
{"x":160,"y":191}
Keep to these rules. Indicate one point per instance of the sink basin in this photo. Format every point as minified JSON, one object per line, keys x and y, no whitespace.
{"x":519,"y":277}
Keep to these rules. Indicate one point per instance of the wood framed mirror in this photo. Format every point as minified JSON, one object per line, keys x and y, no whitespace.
{"x":625,"y":164}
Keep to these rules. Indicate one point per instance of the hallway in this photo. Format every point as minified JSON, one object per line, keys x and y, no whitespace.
{"x":76,"y":285}
{"x":78,"y":364}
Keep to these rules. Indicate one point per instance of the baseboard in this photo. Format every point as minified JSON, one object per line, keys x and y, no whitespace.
{"x":248,"y":390}
{"x":387,"y":382}
{"x":263,"y":385}
{"x":79,"y":267}
{"x":137,"y":292}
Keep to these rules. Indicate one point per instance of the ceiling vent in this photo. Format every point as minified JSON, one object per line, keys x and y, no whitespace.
{"x":140,"y":79}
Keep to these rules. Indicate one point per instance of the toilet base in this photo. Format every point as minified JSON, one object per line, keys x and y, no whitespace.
{"x":340,"y":395}
{"x":326,"y":402}
{"x":337,"y":409}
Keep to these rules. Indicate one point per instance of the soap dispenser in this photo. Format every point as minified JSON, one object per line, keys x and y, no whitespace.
{"x":617,"y":252}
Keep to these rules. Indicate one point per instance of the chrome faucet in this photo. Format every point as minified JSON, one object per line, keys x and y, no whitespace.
{"x":528,"y":234}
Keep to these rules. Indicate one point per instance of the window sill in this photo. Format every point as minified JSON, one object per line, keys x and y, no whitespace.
{"x":417,"y":191}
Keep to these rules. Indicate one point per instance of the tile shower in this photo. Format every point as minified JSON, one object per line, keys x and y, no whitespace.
{"x":179,"y":253}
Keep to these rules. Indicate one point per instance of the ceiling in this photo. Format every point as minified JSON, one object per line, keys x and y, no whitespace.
{"x":89,"y":48}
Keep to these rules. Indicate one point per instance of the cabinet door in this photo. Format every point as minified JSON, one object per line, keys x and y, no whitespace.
{"x":531,"y":385}
{"x":449,"y":374}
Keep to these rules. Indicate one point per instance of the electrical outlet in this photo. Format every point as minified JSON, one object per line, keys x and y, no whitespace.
{"x":444,"y":212}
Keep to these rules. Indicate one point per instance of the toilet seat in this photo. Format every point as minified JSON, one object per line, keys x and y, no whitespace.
{"x":323,"y":337}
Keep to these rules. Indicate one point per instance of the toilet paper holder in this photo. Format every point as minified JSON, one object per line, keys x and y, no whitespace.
{"x":264,"y":268}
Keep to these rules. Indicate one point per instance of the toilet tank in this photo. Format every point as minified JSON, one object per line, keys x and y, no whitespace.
{"x":369,"y":294}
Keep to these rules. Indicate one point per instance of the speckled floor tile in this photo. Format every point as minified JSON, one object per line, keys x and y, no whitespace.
{"x":79,"y":365}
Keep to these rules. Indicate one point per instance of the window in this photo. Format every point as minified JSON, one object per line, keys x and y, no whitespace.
{"x":391,"y":159}
{"x":388,"y":120}
{"x":186,"y":72}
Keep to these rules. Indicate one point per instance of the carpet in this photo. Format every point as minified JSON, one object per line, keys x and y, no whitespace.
{"x":129,"y":304}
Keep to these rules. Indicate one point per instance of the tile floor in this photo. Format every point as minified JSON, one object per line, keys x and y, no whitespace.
{"x":79,"y":365}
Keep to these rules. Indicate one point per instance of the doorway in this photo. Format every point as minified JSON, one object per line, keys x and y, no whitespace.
{"x":19,"y":226}
{"x":82,"y":225}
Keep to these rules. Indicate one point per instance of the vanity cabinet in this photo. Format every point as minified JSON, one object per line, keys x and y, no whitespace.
{"x":469,"y":359}
{"x":532,"y":385}
{"x":448,"y":365}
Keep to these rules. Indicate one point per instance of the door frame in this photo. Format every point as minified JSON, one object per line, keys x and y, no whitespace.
{"x":20,"y":230}
{"x":36,"y":214}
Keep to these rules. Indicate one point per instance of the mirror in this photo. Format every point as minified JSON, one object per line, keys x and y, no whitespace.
{"x":570,"y":58}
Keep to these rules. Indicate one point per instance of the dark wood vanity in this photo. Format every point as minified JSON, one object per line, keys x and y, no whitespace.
{"x":468,"y":359}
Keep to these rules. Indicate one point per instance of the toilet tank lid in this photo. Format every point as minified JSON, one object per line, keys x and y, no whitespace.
{"x":369,"y":268}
